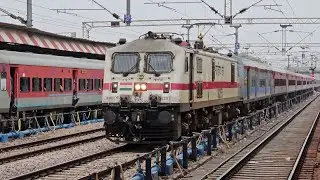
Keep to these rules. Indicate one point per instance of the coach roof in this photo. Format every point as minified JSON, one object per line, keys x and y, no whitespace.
{"x":24,"y":58}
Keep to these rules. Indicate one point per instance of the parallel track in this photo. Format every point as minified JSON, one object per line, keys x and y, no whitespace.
{"x":49,"y":140}
{"x":78,"y":168}
{"x":69,"y":164}
{"x":309,"y":157}
{"x":277,"y":155}
{"x":216,"y":166}
{"x":57,"y":147}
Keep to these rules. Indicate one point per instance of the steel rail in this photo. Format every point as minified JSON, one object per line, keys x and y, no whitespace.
{"x":58,"y":167}
{"x":15,"y":157}
{"x":49,"y":140}
{"x":267,"y":139}
{"x":294,"y":172}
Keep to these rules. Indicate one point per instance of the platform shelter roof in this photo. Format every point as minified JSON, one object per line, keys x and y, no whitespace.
{"x":10,"y":33}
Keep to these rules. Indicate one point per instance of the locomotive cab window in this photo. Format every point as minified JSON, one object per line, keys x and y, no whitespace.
{"x":158,"y":63}
{"x":47,"y":84}
{"x":232,"y":73}
{"x":3,"y":81}
{"x":58,"y":85}
{"x":68,"y":84}
{"x":36,"y":84}
{"x":24,"y":84}
{"x":125,"y":63}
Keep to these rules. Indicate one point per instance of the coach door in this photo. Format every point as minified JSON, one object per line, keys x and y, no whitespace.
{"x":191,"y":78}
{"x":75,"y":98}
{"x":13,"y":89}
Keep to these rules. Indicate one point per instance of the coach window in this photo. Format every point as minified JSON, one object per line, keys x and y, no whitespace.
{"x":82,"y":84}
{"x":199,"y":65}
{"x":90,"y":84}
{"x":24,"y":84}
{"x":58,"y":85}
{"x":68,"y":84}
{"x":213,"y":70}
{"x":232,"y":73}
{"x":3,"y":81}
{"x":36,"y":84}
{"x":199,"y":89}
{"x":97,"y":84}
{"x":47,"y":84}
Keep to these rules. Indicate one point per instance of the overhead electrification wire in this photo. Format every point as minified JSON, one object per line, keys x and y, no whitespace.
{"x":67,"y":23}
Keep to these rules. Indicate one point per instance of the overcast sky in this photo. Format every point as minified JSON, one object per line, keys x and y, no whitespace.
{"x":49,"y":20}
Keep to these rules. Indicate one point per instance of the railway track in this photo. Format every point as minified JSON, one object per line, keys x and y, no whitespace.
{"x":83,"y":167}
{"x":307,"y":164}
{"x":49,"y":140}
{"x":216,"y":166}
{"x":276,"y":155}
{"x":35,"y":150}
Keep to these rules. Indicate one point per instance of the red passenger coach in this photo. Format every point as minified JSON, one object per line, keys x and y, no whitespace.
{"x":36,"y":84}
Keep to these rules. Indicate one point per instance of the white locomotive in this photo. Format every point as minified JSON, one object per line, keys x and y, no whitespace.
{"x":157,"y":88}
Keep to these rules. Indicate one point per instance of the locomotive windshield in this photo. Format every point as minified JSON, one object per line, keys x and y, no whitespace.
{"x":125,"y":63}
{"x":159,"y":63}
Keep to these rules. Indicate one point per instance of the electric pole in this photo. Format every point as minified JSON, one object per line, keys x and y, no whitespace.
{"x":29,"y":13}
{"x":288,"y":60}
{"x":236,"y":44}
{"x":284,"y":37}
{"x":228,"y":11}
{"x":128,"y":15}
{"x":188,"y":26}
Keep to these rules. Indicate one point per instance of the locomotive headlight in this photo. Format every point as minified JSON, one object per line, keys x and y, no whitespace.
{"x":114,"y":87}
{"x":140,"y":87}
{"x":143,"y":87}
{"x":166,"y":87}
{"x":137,"y":87}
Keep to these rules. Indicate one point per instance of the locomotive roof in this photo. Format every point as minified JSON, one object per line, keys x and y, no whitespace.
{"x":24,"y":58}
{"x":160,"y":45}
{"x":147,"y":45}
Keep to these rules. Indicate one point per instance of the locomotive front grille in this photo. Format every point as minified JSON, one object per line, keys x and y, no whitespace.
{"x":146,"y":132}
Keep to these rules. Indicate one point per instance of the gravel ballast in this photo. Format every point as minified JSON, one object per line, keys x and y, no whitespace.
{"x":48,"y":145}
{"x":53,"y":158}
{"x":52,"y":134}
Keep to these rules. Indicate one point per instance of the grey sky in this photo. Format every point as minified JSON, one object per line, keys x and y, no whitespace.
{"x":48,"y":20}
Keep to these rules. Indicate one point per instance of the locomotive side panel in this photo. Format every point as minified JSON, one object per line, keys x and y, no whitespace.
{"x":223,"y":88}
